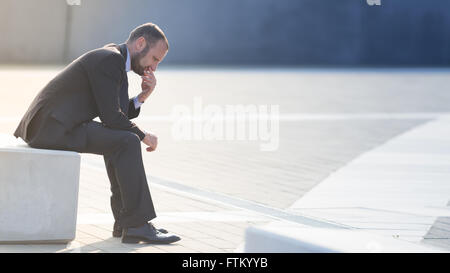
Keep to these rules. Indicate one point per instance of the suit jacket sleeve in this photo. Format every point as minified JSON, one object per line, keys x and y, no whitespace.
{"x":106,"y":80}
{"x":132,"y":111}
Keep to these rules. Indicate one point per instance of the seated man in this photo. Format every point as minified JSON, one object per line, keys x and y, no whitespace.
{"x":96,"y":85}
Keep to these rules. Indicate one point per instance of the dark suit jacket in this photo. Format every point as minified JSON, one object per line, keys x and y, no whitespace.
{"x":89,"y":87}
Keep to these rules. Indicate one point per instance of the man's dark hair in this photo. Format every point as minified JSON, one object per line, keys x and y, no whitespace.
{"x":151,"y":33}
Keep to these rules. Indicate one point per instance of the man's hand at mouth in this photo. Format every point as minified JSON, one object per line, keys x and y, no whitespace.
{"x":148,"y":85}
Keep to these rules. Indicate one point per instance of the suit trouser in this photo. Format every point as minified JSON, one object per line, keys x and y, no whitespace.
{"x":131,"y":201}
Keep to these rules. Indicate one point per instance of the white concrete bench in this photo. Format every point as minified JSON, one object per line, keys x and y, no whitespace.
{"x":38,"y":193}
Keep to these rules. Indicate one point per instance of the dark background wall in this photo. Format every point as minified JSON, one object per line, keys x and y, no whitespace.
{"x":256,"y":32}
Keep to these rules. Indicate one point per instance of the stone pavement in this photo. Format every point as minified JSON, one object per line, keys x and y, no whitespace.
{"x":399,"y":190}
{"x":208,"y":192}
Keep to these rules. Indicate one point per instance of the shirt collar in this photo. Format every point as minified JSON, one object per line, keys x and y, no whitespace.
{"x":128,"y":62}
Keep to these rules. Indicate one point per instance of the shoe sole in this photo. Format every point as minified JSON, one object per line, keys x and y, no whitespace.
{"x":136,"y":240}
{"x":118,"y":234}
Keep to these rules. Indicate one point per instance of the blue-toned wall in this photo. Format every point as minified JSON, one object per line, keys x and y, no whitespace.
{"x":294,"y":32}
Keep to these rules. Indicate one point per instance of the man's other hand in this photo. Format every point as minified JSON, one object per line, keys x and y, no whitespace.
{"x":151,"y":141}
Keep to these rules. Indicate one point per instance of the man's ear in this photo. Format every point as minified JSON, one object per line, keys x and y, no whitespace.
{"x":140,"y":44}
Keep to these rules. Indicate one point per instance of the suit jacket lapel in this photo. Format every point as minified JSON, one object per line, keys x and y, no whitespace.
{"x":124,"y":98}
{"x":123,"y":51}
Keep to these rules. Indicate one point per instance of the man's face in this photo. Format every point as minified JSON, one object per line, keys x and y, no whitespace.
{"x":141,"y":60}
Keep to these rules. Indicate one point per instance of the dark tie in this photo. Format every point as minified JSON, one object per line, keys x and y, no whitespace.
{"x":124,"y":99}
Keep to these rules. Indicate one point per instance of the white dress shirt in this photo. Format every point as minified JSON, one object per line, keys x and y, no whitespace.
{"x":137,"y":103}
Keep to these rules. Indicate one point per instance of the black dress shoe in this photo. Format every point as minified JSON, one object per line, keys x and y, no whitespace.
{"x":147,"y":233}
{"x":117,"y":230}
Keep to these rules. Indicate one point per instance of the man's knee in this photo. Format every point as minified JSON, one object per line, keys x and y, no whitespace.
{"x":131,"y":139}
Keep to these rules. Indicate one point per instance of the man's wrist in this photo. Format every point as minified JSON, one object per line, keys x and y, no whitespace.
{"x":137,"y":103}
{"x":140,"y":99}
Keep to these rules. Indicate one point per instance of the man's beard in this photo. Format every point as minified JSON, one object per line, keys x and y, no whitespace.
{"x":136,"y":61}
